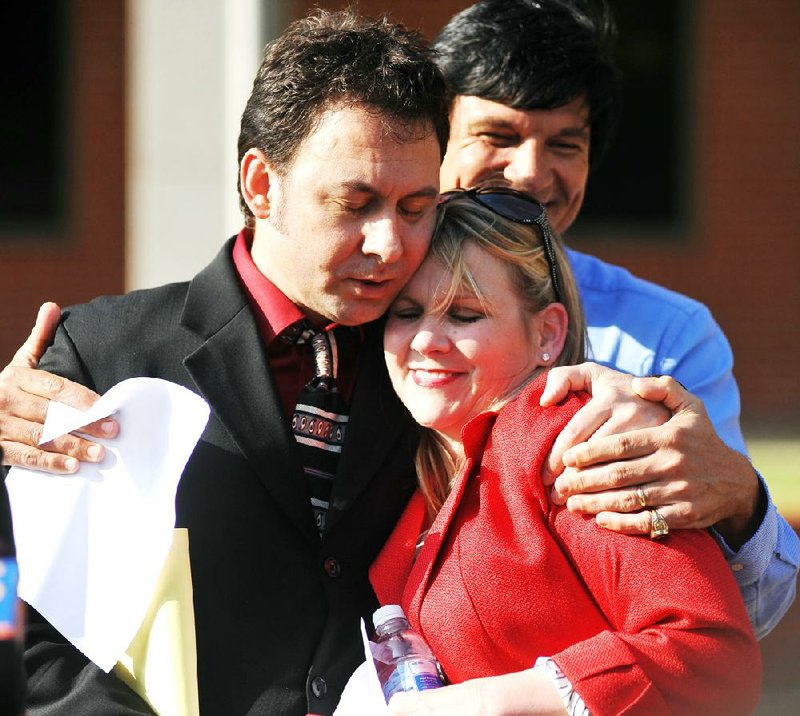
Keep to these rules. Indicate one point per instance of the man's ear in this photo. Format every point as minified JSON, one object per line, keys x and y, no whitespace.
{"x":255,"y":175}
{"x":550,"y":326}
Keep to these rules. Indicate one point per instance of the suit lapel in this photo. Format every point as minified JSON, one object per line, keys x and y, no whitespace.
{"x":231,"y":370}
{"x":377,"y":421}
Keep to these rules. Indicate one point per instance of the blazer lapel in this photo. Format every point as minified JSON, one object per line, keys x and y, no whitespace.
{"x":475,"y":436}
{"x":231,"y":370}
{"x":422,"y":570}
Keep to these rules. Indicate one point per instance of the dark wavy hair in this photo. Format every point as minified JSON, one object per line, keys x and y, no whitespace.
{"x":331,"y":59}
{"x":536,"y":54}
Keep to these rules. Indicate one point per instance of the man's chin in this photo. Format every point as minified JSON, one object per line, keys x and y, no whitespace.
{"x":360,"y":313}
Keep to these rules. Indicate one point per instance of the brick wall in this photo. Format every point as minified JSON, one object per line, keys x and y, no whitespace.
{"x":742,"y":254}
{"x":85,"y":257}
{"x":741,"y":257}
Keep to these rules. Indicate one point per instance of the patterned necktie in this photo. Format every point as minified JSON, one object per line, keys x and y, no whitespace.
{"x":320,"y":418}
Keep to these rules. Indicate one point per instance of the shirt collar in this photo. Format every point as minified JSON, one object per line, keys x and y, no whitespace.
{"x":274,"y":312}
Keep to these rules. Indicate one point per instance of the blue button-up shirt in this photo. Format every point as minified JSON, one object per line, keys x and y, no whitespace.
{"x":640,"y":328}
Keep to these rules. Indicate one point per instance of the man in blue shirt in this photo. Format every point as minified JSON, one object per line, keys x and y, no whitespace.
{"x":535,"y":97}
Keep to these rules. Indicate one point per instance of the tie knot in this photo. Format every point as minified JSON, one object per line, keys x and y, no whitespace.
{"x":297,"y":333}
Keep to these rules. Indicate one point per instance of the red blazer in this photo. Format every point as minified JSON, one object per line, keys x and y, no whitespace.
{"x":636,"y":625}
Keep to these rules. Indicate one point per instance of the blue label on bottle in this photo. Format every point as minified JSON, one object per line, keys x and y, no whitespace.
{"x":8,"y":597}
{"x":412,"y":675}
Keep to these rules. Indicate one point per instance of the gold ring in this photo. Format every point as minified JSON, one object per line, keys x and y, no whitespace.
{"x":640,"y":495}
{"x":658,"y":525}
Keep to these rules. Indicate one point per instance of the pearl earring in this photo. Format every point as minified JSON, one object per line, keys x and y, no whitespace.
{"x":546,"y":357}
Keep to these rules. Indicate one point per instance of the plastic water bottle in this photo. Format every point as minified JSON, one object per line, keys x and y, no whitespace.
{"x":402,"y":658}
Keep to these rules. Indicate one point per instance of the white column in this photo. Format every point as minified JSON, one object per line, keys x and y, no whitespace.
{"x":191,"y":65}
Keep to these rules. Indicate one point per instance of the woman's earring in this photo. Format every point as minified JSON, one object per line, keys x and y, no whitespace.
{"x":546,"y":357}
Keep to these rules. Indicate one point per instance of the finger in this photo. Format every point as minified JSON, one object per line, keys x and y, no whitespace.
{"x":613,"y":448}
{"x":607,"y":476}
{"x":24,"y":432}
{"x":580,"y":428}
{"x":16,"y":454}
{"x":664,"y":389}
{"x":626,"y":417}
{"x":626,"y":500}
{"x":40,"y":337}
{"x":638,"y":523}
{"x":678,"y":516}
{"x":561,"y":380}
{"x":104,"y":428}
{"x":18,"y":403}
{"x":50,"y":386}
{"x":641,"y":522}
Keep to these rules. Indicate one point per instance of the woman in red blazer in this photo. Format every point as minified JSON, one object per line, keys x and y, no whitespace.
{"x":531,"y":608}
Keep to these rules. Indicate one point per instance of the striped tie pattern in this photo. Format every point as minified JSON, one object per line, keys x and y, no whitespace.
{"x":320,"y":419}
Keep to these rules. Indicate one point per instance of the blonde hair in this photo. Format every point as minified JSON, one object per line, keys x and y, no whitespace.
{"x":463,"y":220}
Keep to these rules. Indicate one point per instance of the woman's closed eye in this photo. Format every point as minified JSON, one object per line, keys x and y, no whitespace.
{"x":406,"y":313}
{"x":464,"y":315}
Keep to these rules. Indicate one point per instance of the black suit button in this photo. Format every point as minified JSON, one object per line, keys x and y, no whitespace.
{"x":319,"y":687}
{"x":332,"y":567}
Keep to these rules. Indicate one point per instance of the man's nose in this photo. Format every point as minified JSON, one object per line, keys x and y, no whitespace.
{"x":382,"y":239}
{"x":527,"y":168}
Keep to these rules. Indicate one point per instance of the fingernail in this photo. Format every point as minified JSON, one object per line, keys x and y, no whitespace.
{"x":556,"y":497}
{"x":94,"y":452}
{"x":108,"y":427}
{"x":71,"y":464}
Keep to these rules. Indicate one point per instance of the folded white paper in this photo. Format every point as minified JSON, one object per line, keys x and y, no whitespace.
{"x":91,"y":546}
{"x":362,"y":695}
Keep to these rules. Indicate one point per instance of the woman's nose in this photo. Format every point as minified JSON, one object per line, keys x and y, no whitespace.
{"x":430,"y":340}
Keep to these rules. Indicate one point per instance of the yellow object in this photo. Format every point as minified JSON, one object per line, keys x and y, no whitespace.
{"x":161,"y":663}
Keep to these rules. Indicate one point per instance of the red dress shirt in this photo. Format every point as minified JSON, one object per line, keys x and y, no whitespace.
{"x":292,"y":366}
{"x":636,"y":625}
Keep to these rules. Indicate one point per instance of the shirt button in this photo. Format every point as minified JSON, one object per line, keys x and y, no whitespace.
{"x":319,"y":687}
{"x":737,"y":567}
{"x":332,"y":568}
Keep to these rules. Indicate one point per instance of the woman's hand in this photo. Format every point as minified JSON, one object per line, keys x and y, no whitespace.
{"x":524,"y":693}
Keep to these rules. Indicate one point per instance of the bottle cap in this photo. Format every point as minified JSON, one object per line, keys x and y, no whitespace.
{"x":384,"y":614}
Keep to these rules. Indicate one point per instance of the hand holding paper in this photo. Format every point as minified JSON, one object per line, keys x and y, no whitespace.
{"x":91,"y":546}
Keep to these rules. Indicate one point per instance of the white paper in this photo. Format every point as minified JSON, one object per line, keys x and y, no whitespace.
{"x":91,"y":546}
{"x":362,"y":695}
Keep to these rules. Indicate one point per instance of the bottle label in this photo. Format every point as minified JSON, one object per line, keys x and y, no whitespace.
{"x":412,"y":675}
{"x":8,"y":598}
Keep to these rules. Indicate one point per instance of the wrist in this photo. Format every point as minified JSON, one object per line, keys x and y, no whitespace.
{"x":739,"y":527}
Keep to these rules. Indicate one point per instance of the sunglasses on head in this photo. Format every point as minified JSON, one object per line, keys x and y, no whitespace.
{"x":517,"y":207}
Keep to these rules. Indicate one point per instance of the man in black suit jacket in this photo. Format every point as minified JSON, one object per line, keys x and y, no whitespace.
{"x":339,"y":155}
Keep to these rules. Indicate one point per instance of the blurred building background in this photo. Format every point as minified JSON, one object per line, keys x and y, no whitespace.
{"x":118,"y":164}
{"x":118,"y":168}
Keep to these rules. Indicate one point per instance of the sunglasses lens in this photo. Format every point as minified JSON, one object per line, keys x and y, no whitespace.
{"x":517,"y":207}
{"x":511,"y":206}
